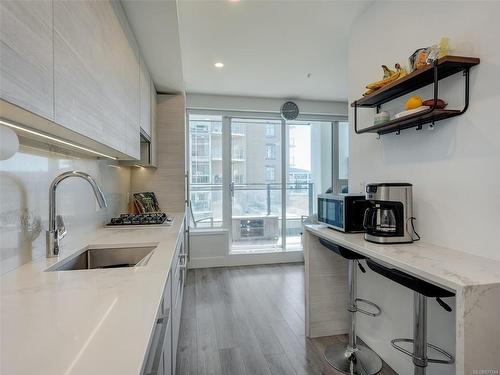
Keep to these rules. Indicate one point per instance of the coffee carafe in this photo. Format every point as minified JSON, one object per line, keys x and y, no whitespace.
{"x":388,"y":219}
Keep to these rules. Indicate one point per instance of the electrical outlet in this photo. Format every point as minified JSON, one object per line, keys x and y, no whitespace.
{"x":362,"y":186}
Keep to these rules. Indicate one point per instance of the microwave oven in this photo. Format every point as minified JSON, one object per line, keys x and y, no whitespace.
{"x":343,"y":212}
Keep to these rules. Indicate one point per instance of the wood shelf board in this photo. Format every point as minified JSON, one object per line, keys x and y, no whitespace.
{"x":411,"y":121}
{"x":447,"y":66}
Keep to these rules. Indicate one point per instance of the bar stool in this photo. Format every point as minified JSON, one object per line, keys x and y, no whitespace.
{"x":352,"y":358}
{"x":422,"y":289}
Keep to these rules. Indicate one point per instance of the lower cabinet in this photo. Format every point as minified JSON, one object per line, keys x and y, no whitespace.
{"x":167,"y":352}
{"x":162,"y":351}
{"x":155,"y":360}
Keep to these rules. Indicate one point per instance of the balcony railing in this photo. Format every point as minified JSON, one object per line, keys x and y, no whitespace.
{"x":259,"y":200}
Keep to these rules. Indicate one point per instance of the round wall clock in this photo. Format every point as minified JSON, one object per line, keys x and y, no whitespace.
{"x":289,"y":111}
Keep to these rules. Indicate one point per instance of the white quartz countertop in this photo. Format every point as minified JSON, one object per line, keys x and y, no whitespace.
{"x":88,"y":321}
{"x":450,"y":268}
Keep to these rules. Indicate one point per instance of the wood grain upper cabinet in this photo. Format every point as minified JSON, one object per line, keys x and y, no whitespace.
{"x":96,"y":73}
{"x":154,"y":129}
{"x":145,"y":84}
{"x":26,"y":76}
{"x":130,"y":76}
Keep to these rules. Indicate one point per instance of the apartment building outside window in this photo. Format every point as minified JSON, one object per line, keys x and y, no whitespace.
{"x":270,"y":131}
{"x":270,"y":151}
{"x":270,"y":173}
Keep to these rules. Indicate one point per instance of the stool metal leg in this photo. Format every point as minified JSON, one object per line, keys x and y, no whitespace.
{"x":353,"y":358}
{"x":419,"y":333}
{"x":419,"y":341}
{"x":351,"y":301}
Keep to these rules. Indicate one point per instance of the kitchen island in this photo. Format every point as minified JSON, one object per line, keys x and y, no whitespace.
{"x":475,"y":281}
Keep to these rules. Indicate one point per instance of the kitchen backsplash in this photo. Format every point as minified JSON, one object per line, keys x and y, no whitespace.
{"x":24,"y":186}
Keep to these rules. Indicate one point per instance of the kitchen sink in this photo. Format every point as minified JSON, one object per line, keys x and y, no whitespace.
{"x":101,"y":258}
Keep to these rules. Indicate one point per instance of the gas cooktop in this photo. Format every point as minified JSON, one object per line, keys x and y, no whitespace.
{"x":157,"y":218}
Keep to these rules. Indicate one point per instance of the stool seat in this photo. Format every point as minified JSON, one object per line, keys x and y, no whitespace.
{"x":421,"y":291}
{"x":342,"y":251}
{"x":409,"y":281}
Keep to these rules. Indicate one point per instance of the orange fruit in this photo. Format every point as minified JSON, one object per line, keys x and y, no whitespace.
{"x":413,"y":102}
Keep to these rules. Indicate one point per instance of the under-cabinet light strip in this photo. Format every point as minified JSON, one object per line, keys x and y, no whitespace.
{"x":43,"y":135}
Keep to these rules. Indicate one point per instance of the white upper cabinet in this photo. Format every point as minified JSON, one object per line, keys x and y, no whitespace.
{"x":77,"y":64}
{"x":154,"y":129}
{"x":145,"y":99}
{"x":95,"y":73}
{"x":130,"y":77}
{"x":26,"y":75}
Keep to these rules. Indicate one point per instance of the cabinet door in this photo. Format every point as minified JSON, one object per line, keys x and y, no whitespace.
{"x":167,"y":351}
{"x":94,"y":72}
{"x":177,"y":300}
{"x":154,"y":129}
{"x":145,"y":99}
{"x":26,"y":60}
{"x":130,"y":88}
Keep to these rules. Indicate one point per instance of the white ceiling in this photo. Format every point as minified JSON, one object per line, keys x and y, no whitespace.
{"x":268,"y":47}
{"x":154,"y":23}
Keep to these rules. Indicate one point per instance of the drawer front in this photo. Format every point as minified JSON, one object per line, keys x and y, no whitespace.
{"x":178,"y":267}
{"x":167,"y":351}
{"x":154,"y":361}
{"x":177,"y":296}
{"x":167,"y":294}
{"x":176,"y":322}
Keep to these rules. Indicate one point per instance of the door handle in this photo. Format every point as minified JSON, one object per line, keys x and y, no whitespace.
{"x":231,"y":189}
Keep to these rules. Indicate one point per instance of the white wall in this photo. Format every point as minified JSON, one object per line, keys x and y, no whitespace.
{"x":24,"y":208}
{"x":453,"y":169}
{"x":252,"y":104}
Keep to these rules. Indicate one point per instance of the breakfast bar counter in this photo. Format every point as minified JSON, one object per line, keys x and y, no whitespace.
{"x":475,"y":281}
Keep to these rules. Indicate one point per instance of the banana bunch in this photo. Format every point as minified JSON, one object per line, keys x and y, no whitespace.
{"x":389,"y":76}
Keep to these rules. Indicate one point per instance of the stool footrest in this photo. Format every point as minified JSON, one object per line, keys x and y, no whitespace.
{"x":449,"y":357}
{"x":366,"y":312}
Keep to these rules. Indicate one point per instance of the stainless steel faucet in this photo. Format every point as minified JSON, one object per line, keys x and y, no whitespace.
{"x":57,"y":229}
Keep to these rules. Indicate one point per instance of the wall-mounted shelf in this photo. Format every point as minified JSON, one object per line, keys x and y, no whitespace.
{"x":442,"y":68}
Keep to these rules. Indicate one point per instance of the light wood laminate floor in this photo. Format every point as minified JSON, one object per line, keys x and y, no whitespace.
{"x":249,"y":321}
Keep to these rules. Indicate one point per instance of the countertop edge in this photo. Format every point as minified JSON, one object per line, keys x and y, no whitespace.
{"x":448,"y":279}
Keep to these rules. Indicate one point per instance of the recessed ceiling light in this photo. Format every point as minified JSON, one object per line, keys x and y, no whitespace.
{"x":219,"y":65}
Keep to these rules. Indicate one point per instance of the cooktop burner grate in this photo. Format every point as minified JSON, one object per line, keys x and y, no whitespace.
{"x":141,"y":219}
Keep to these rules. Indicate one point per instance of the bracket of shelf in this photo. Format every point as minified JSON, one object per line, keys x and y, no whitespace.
{"x":420,"y":117}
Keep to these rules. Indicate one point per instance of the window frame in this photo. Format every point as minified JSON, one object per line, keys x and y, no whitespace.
{"x":337,"y":183}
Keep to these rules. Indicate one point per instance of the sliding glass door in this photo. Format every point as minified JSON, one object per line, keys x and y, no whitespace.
{"x":256,"y":185}
{"x":309,"y":173}
{"x":258,"y":177}
{"x":205,"y":171}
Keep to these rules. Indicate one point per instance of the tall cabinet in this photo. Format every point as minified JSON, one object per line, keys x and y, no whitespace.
{"x":145,"y":98}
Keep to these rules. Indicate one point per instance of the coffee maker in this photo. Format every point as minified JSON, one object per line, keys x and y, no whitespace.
{"x":389,"y":217}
